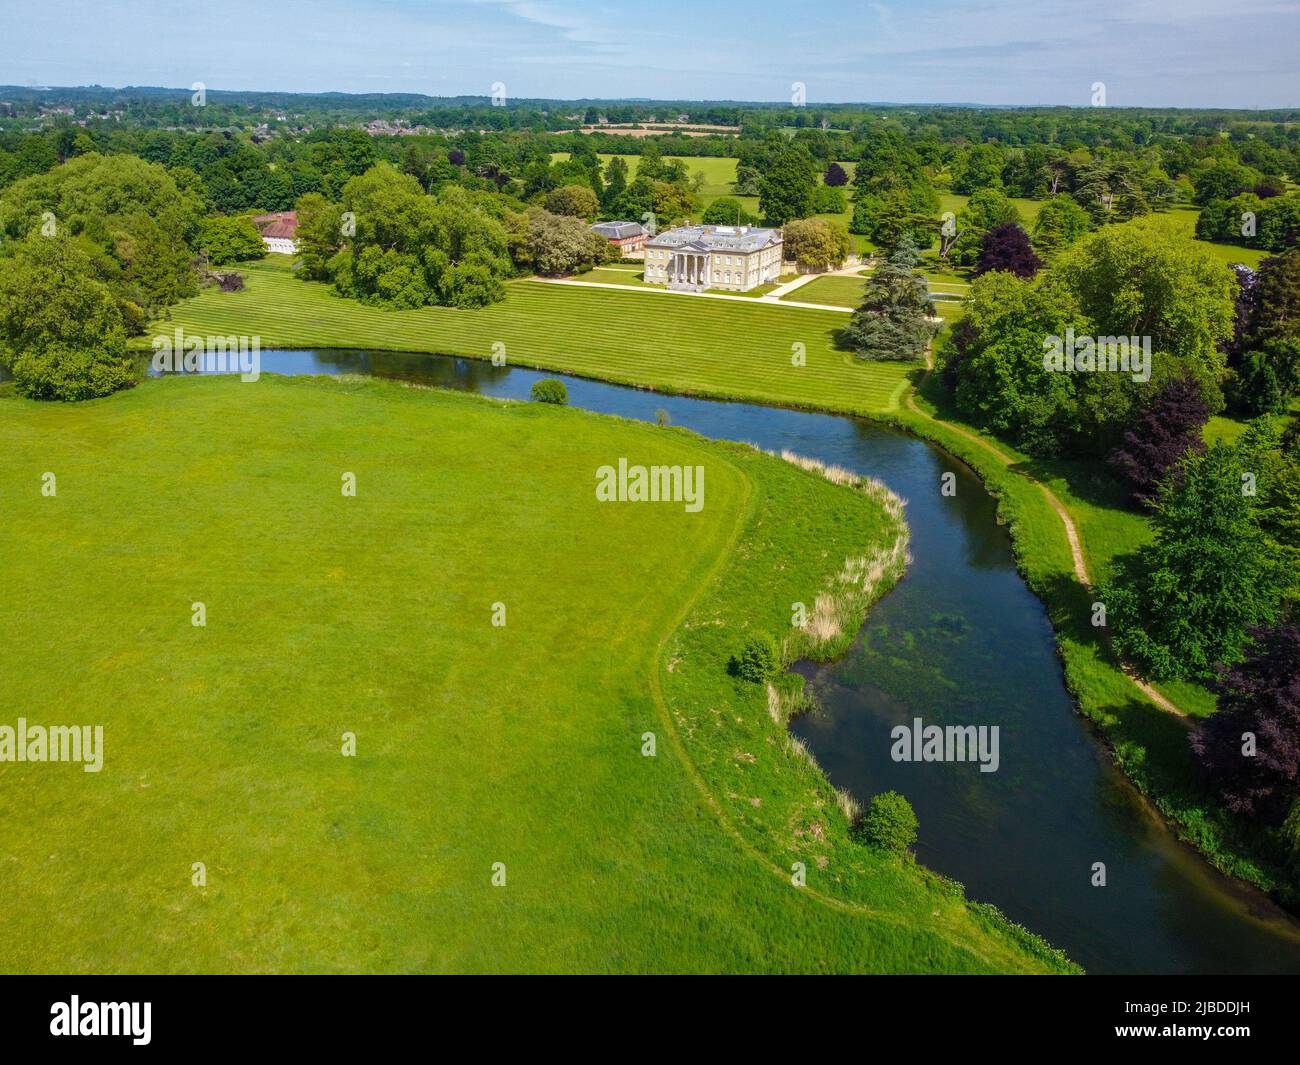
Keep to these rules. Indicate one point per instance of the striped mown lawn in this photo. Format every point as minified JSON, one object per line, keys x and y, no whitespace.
{"x":838,"y":291}
{"x":681,"y":344}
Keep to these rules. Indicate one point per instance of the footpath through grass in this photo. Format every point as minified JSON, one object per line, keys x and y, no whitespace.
{"x":719,"y":348}
{"x":476,"y":744}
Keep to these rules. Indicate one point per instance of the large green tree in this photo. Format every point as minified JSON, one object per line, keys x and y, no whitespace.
{"x":788,"y":187}
{"x":1182,"y":605}
{"x":61,"y":329}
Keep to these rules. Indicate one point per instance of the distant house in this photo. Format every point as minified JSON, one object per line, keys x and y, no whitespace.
{"x":694,"y":258}
{"x":628,"y":237}
{"x":279,"y":231}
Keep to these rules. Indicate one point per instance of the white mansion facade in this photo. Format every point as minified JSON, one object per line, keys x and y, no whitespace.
{"x":728,"y":257}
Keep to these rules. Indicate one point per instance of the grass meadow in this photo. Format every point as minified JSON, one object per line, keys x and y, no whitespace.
{"x":476,"y":744}
{"x":677,"y":343}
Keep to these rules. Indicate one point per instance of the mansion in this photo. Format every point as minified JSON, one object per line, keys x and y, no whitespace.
{"x":727,"y":257}
{"x":279,"y":231}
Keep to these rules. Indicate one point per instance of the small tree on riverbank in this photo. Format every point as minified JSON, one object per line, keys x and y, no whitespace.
{"x":551,"y":391}
{"x":889,"y":824}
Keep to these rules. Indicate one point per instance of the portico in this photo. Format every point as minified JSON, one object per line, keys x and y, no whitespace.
{"x":688,"y":268}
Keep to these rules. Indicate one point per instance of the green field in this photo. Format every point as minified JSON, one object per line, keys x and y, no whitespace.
{"x":707,"y":347}
{"x":476,"y":744}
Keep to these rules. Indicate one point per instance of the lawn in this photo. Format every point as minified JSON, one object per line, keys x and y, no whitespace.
{"x":838,"y":291}
{"x":476,"y":744}
{"x":727,"y":348}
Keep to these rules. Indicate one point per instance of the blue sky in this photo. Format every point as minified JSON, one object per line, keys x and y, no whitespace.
{"x":1220,"y":53}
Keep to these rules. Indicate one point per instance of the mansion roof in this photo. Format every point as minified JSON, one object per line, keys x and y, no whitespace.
{"x":743,"y":239}
{"x":282,"y":224}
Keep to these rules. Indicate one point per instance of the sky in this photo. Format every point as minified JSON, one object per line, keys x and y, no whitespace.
{"x":1154,"y":53}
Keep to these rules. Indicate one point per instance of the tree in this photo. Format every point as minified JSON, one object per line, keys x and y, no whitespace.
{"x":890,"y":823}
{"x":319,"y":235}
{"x":615,"y":183}
{"x":1165,"y":430}
{"x":143,"y":225}
{"x":229,"y":240}
{"x":1222,"y":179}
{"x":728,"y":211}
{"x":61,"y":329}
{"x":1059,"y":224}
{"x":835,"y":176}
{"x":827,"y":200}
{"x":1145,"y":278}
{"x":893,"y":320}
{"x":1258,"y":710}
{"x":787,"y":190}
{"x":982,"y":169}
{"x":551,"y":244}
{"x":1183,"y":604}
{"x":893,"y":196}
{"x":992,"y":360}
{"x":815,"y":243}
{"x":759,"y":660}
{"x":1266,"y":366}
{"x":410,"y":249}
{"x":577,"y":201}
{"x":651,"y":164}
{"x":1110,"y":190}
{"x":1006,"y":247}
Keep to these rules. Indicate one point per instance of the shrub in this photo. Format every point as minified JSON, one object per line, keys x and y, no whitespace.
{"x":550,"y":391}
{"x":69,"y":374}
{"x":759,"y":660}
{"x":889,"y":823}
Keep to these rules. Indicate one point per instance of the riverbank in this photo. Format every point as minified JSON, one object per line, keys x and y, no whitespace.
{"x":1143,"y":728}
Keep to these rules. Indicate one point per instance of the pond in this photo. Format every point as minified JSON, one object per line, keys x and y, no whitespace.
{"x":960,"y":641}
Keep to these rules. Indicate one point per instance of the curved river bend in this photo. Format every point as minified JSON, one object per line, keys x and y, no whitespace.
{"x":961,"y":640}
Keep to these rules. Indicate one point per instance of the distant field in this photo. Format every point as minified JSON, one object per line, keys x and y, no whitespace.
{"x":729,"y":348}
{"x":1229,"y":253}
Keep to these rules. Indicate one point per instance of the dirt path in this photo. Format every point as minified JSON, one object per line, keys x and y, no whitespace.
{"x":1071,"y":535}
